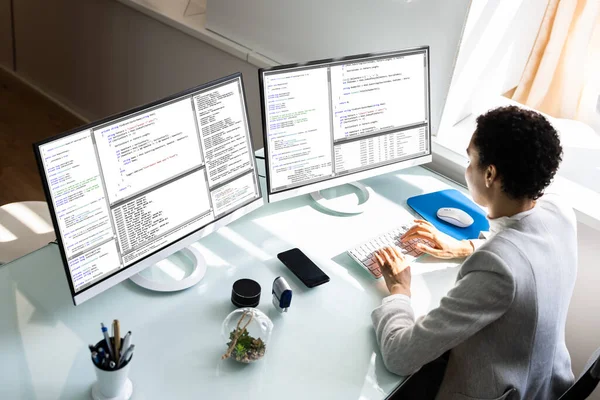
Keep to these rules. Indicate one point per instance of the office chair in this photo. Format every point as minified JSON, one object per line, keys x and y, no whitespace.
{"x":587,"y":381}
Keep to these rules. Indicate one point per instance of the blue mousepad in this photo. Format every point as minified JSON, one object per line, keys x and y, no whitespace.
{"x":426,"y":205}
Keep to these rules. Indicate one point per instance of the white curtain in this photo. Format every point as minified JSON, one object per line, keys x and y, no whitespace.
{"x":562,"y":75}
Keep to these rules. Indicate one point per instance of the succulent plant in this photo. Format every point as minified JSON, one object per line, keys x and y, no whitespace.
{"x":242,"y":346}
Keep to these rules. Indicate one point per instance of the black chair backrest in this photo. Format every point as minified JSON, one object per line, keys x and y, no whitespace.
{"x":587,"y":381}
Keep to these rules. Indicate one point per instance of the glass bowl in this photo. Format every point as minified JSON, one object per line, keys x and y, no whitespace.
{"x":246,"y":332}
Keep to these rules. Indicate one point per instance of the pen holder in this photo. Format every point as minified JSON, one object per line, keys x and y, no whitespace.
{"x":112,"y":384}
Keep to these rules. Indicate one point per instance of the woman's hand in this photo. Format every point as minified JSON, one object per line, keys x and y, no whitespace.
{"x":442,"y":245}
{"x":395,"y":270}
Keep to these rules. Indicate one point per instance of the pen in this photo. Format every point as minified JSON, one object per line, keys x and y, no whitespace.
{"x":117,"y":338}
{"x":95,"y":357}
{"x":107,"y":338}
{"x":126,"y":342}
{"x":92,"y":348}
{"x":100,"y":355}
{"x":112,"y":365}
{"x":126,"y":354}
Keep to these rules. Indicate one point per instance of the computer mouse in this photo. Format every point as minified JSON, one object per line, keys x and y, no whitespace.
{"x":455,"y":216}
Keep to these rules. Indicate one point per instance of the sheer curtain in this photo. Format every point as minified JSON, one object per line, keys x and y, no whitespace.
{"x":562,"y":75}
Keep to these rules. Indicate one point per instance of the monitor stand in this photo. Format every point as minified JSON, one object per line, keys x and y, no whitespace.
{"x":341,"y":205}
{"x":168,"y":276}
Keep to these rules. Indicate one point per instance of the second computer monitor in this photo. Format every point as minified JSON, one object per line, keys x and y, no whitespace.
{"x":331,"y":122}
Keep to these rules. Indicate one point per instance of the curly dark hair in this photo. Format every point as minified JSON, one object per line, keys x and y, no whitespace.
{"x":522,"y":145}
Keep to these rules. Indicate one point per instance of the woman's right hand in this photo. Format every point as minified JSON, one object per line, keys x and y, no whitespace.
{"x":441,"y":245}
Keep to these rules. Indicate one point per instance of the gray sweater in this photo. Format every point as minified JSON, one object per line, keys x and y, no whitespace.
{"x":504,"y":320}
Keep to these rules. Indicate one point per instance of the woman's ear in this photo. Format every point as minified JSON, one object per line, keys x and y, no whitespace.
{"x":490,"y":176}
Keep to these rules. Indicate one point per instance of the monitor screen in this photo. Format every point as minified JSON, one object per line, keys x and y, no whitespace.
{"x":334,"y":121}
{"x":124,"y":188}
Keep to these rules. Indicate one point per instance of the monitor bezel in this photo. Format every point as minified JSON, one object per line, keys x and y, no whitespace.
{"x":332,"y":182}
{"x":163,"y":252}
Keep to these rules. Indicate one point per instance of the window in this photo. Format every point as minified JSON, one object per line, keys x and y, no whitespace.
{"x":495,"y":51}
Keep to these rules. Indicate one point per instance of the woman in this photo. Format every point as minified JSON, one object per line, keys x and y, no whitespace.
{"x":502,"y":326}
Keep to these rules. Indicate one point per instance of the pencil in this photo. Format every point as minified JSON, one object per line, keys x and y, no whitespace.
{"x":117,"y":338}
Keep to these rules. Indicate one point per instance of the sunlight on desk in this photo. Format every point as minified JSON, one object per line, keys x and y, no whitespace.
{"x":307,"y":227}
{"x":371,"y":388}
{"x":342,"y":272}
{"x":170,"y":268}
{"x":237,"y":240}
{"x":304,"y":238}
{"x":432,"y":184}
{"x":276,"y":225}
{"x":212,"y":260}
{"x":48,"y":366}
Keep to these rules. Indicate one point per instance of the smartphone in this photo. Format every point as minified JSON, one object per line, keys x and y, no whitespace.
{"x":306,"y":270}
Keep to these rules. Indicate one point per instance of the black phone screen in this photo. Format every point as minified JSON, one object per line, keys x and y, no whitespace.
{"x":306,"y":270}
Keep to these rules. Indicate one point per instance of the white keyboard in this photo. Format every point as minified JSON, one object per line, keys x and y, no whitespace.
{"x":364,"y":253}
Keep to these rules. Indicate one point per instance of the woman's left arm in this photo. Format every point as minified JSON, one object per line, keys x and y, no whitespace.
{"x":482,"y":295}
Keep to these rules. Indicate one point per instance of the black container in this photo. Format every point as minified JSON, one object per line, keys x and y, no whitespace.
{"x":245,"y":293}
{"x":102,"y":344}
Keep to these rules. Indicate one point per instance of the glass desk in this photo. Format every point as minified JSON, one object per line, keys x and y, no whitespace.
{"x":323,"y":348}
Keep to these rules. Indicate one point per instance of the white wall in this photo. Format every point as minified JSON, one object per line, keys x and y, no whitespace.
{"x":300,"y":31}
{"x":583,"y":322}
{"x":496,"y":44}
{"x":6,"y":50}
{"x":100,"y":57}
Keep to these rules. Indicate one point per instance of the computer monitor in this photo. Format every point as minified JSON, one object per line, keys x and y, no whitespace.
{"x":130,"y":190}
{"x":331,"y":122}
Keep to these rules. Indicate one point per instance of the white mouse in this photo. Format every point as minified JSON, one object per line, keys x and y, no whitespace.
{"x":455,"y":216}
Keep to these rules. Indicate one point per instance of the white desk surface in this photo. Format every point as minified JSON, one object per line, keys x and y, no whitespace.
{"x":323,"y":348}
